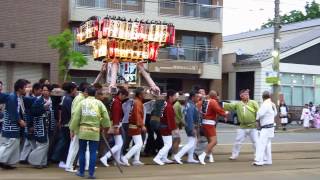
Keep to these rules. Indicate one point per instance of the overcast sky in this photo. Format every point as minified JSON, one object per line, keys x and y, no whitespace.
{"x":243,"y":15}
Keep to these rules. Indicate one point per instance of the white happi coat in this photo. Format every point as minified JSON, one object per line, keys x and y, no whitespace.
{"x":265,"y":115}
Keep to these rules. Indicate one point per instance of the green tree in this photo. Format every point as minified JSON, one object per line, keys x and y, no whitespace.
{"x":312,"y":11}
{"x":63,"y":42}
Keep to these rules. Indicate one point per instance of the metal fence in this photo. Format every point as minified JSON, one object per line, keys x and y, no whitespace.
{"x":122,"y":5}
{"x":195,"y":10}
{"x":199,"y":54}
{"x":85,"y":50}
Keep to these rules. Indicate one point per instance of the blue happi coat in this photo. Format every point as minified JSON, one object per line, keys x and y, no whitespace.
{"x":10,"y":127}
{"x":191,"y":116}
{"x":43,"y":120}
{"x":29,"y":118}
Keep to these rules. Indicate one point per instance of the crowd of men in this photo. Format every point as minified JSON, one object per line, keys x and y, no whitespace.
{"x":39,"y":129}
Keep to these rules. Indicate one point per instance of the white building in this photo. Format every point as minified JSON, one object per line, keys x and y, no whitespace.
{"x":247,"y":60}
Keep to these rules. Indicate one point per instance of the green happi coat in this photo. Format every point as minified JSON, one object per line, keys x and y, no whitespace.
{"x":246,"y":112}
{"x":76,"y":101}
{"x":88,"y":117}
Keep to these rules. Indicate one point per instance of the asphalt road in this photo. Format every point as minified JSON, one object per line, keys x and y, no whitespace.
{"x":294,"y":134}
{"x":291,"y":166}
{"x":296,"y":156}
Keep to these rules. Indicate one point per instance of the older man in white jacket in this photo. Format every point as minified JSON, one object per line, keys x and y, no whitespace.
{"x":265,"y":120}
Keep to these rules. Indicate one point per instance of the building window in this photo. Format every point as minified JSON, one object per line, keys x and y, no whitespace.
{"x":299,"y":89}
{"x":132,"y":2}
{"x":92,"y":3}
{"x":1,"y":45}
{"x":168,"y":4}
{"x":126,"y":2}
{"x":197,"y":48}
{"x":86,"y":3}
{"x":297,"y":93}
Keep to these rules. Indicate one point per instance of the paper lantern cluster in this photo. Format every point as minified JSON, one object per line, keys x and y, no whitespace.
{"x":115,"y":38}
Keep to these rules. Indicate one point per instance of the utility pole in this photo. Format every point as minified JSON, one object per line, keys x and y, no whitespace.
{"x":276,"y":51}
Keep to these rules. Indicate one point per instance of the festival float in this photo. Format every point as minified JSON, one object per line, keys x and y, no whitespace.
{"x":125,"y":43}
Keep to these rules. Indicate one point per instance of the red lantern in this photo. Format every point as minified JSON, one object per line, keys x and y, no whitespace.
{"x":153,"y":52}
{"x":171,"y":35}
{"x":105,"y":25}
{"x":96,"y":28}
{"x":92,"y":28}
{"x":111,"y":49}
{"x":156,"y":52}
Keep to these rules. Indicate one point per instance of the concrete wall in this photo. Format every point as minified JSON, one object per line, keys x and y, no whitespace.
{"x":227,"y":62}
{"x":211,"y":71}
{"x":28,"y":24}
{"x":260,"y":82}
{"x":216,"y":85}
{"x":232,"y":85}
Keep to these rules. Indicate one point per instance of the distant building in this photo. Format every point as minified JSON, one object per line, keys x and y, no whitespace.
{"x":199,"y":32}
{"x":247,"y":60}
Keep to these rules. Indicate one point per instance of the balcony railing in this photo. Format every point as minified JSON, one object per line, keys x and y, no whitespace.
{"x":85,"y":50}
{"x":122,"y":5}
{"x":195,"y":10}
{"x":199,"y":54}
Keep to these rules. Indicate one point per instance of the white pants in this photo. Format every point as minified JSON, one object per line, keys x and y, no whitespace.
{"x":242,"y":134}
{"x":163,"y":153}
{"x":28,"y":146}
{"x":263,"y":151}
{"x":306,"y":122}
{"x":201,"y":145}
{"x":10,"y":151}
{"x":135,"y":150}
{"x":188,"y":148}
{"x":73,"y":151}
{"x":39,"y":155}
{"x":116,"y":149}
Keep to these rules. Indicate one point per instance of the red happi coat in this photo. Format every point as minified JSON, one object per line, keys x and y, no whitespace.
{"x":213,"y":110}
{"x":167,"y":120}
{"x":116,"y":112}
